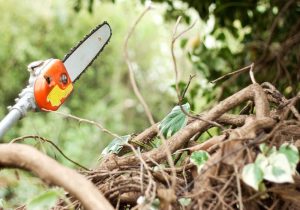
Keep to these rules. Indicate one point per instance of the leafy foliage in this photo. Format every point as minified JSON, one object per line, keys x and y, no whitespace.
{"x":232,"y":34}
{"x":174,"y":121}
{"x":272,"y":165}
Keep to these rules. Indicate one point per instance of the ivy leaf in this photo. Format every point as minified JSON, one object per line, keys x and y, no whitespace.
{"x":45,"y":200}
{"x":174,"y":121}
{"x":266,"y":150}
{"x":261,"y":161}
{"x":292,"y":154}
{"x":116,"y":145}
{"x":252,"y":175}
{"x":278,"y":170}
{"x":1,"y":203}
{"x":199,"y":158}
{"x":185,"y":201}
{"x":155,"y":204}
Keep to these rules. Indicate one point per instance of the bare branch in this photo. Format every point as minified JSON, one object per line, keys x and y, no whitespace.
{"x":22,"y":138}
{"x":252,"y":74}
{"x":232,"y":73}
{"x":28,"y":158}
{"x":180,"y":98}
{"x":130,"y":68}
{"x":238,"y":183}
{"x":80,"y":120}
{"x":254,"y":92}
{"x":139,"y":95}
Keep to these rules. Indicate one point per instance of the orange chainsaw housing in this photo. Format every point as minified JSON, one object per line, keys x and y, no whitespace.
{"x":53,"y":86}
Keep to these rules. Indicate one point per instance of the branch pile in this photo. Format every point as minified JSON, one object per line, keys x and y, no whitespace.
{"x":141,"y":178}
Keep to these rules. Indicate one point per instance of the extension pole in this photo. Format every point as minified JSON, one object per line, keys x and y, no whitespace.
{"x":24,"y":103}
{"x":9,"y":120}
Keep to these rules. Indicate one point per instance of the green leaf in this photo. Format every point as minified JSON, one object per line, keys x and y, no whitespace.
{"x":155,"y":204}
{"x":1,"y":203}
{"x":45,"y":200}
{"x":199,"y":158}
{"x":185,"y":201}
{"x":116,"y":145}
{"x":266,"y":149}
{"x":252,"y":175}
{"x":183,"y":43}
{"x":278,"y":170}
{"x":174,"y":121}
{"x":292,"y":154}
{"x":261,"y":161}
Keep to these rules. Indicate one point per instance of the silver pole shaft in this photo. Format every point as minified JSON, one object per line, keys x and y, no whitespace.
{"x":9,"y":120}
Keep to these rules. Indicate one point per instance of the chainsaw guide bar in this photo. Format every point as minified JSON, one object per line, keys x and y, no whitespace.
{"x":85,"y":58}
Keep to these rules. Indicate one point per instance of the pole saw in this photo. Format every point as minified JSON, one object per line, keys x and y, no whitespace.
{"x":51,"y":81}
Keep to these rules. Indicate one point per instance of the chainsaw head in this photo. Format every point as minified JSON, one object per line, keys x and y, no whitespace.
{"x":53,"y":85}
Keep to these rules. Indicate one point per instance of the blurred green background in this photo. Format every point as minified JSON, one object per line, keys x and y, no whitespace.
{"x":228,"y":35}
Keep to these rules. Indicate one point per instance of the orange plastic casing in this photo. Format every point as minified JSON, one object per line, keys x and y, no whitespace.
{"x":53,"y":86}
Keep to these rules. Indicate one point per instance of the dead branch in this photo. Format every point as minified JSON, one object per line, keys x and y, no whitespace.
{"x":254,"y":92}
{"x":80,"y":120}
{"x":22,"y":138}
{"x":236,"y":72}
{"x":175,"y":36}
{"x":138,"y":93}
{"x":130,"y":68}
{"x":125,"y":179}
{"x":28,"y":158}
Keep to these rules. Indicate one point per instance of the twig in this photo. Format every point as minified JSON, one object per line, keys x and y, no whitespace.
{"x":241,"y":206}
{"x":28,"y":158}
{"x":80,"y":120}
{"x":187,"y":86}
{"x":174,"y":38}
{"x":205,"y":145}
{"x":130,"y":68}
{"x":232,"y":73}
{"x":139,"y":95}
{"x":22,"y":138}
{"x":252,"y":74}
{"x":180,"y":98}
{"x":151,"y":183}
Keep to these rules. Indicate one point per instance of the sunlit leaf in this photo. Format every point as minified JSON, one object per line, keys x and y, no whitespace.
{"x":45,"y":200}
{"x":261,"y":161}
{"x":1,"y":203}
{"x":116,"y":145}
{"x":252,"y":175}
{"x":292,"y":154}
{"x":141,"y":200}
{"x":266,"y":150}
{"x":185,"y":201}
{"x":199,"y":158}
{"x":278,"y":170}
{"x":155,"y":204}
{"x":174,"y":121}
